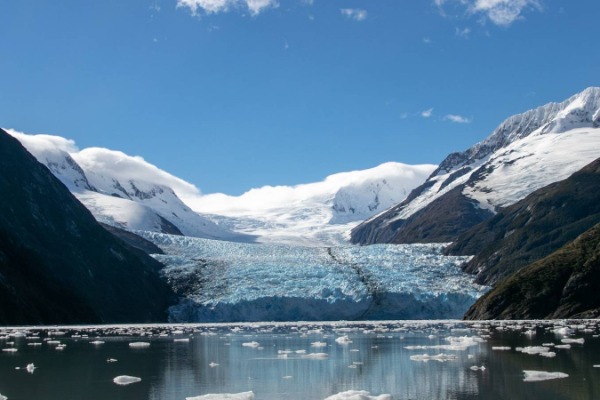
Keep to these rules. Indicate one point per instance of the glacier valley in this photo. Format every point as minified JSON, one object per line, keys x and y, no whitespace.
{"x":219,"y":281}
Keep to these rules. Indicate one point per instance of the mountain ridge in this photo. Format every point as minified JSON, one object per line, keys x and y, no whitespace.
{"x":526,"y":152}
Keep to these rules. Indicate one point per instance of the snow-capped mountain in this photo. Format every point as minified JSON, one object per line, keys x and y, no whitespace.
{"x":320,"y":213}
{"x":121,"y":190}
{"x":128,"y":192}
{"x":526,"y":152}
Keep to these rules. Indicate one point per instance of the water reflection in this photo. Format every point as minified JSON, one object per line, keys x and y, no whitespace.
{"x":214,"y":359}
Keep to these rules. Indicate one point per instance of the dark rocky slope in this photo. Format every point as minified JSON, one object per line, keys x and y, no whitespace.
{"x":563,"y":285}
{"x":532,"y":228}
{"x":57,"y":264}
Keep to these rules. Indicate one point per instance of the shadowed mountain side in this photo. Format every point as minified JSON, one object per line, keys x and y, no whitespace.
{"x":440,"y":221}
{"x":532,"y":228}
{"x":57,"y":264}
{"x":563,"y":285}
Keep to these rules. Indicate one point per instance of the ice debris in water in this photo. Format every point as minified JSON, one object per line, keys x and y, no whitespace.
{"x":476,"y":368}
{"x":3,"y":397}
{"x":358,"y":395}
{"x":250,"y":344}
{"x":536,"y":376}
{"x":318,"y":344}
{"x":579,"y":341}
{"x":126,"y":380}
{"x":537,"y":350}
{"x":213,"y":365}
{"x":30,"y":368}
{"x":139,"y":345}
{"x":439,"y":357}
{"x":224,"y":396}
{"x":111,"y":360}
{"x":316,"y":356}
{"x":343,"y":340}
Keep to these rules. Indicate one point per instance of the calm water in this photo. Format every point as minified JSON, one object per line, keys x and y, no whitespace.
{"x":382,"y":358}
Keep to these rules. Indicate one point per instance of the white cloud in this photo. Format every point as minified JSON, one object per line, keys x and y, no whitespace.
{"x":217,"y":6}
{"x":427,"y":113}
{"x":463,"y":33}
{"x":356,"y":14}
{"x":114,"y":163}
{"x":499,"y":12}
{"x":427,"y":40}
{"x":459,"y":119}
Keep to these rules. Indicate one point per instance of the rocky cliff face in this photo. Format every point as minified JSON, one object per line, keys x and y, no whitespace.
{"x":57,"y":264}
{"x":564,"y":284}
{"x":532,"y":228}
{"x":526,"y":152}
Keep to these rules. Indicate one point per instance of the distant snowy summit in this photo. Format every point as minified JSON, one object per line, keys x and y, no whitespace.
{"x":526,"y":152}
{"x":128,"y":192}
{"x":320,"y":213}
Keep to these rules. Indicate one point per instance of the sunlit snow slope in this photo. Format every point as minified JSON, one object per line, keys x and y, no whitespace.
{"x":225,"y":281}
{"x":320,"y":213}
{"x":526,"y":152}
{"x":121,"y":190}
{"x":130,"y":193}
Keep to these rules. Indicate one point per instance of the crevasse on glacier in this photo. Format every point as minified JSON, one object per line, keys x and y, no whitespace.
{"x":220,"y":281}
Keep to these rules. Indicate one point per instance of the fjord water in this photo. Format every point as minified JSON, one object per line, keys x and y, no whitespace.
{"x":305,"y":361}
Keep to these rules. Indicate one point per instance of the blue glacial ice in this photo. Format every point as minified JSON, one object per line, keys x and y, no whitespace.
{"x":220,"y":281}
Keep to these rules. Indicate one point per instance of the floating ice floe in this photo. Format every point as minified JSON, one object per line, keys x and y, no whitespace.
{"x":536,"y":376}
{"x":10,"y":350}
{"x":182,"y":340}
{"x":439,"y":357}
{"x":97,"y":342}
{"x":579,"y":341}
{"x":139,"y":345}
{"x":476,"y":368}
{"x":224,"y":396}
{"x":251,"y":344}
{"x":501,"y":348}
{"x":318,"y":344}
{"x":111,"y":360}
{"x":126,"y":380}
{"x":316,"y":356}
{"x":213,"y":365}
{"x":3,"y":397}
{"x":30,"y":368}
{"x":343,"y":340}
{"x":358,"y":395}
{"x":536,"y":350}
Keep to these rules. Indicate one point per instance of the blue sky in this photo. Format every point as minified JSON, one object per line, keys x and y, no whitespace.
{"x":235,"y":94}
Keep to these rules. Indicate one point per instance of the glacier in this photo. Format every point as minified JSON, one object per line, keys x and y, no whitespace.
{"x":219,"y":281}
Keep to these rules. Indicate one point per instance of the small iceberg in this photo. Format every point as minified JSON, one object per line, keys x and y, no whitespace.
{"x":358,"y":395}
{"x":537,"y":376}
{"x":30,"y":368}
{"x":139,"y":345}
{"x":439,"y":357}
{"x":224,"y":396}
{"x":343,"y":340}
{"x":126,"y":380}
{"x":251,"y":344}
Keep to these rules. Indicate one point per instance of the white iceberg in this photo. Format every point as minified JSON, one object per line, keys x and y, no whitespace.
{"x":139,"y":345}
{"x":224,"y":396}
{"x":126,"y":380}
{"x":358,"y":395}
{"x":536,"y":376}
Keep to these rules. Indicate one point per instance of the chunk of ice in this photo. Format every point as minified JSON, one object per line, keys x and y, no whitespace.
{"x":439,"y":357}
{"x":536,"y":376}
{"x":126,"y":380}
{"x":139,"y":345}
{"x":250,"y":344}
{"x":224,"y":396}
{"x":358,"y":395}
